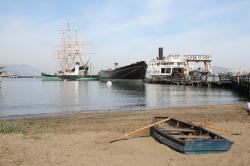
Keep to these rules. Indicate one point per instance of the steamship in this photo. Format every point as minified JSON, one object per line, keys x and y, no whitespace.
{"x":133,"y":73}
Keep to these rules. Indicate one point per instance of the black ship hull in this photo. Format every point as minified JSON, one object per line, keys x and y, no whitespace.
{"x":134,"y":73}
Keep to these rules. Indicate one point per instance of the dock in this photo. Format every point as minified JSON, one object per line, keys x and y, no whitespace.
{"x":239,"y":83}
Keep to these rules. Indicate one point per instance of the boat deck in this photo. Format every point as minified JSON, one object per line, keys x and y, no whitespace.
{"x":185,"y":133}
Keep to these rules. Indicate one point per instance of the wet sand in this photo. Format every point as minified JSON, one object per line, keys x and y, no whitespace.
{"x":83,"y":139}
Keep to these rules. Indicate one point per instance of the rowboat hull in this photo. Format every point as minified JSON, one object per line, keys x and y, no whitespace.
{"x":212,"y":144}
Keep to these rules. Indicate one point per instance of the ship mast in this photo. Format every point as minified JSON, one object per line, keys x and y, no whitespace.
{"x":68,"y":51}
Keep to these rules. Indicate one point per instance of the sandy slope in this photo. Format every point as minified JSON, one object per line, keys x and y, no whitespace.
{"x":83,"y":139}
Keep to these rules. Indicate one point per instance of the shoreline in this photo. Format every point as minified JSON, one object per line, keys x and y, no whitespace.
{"x":83,"y":139}
{"x":45,"y":115}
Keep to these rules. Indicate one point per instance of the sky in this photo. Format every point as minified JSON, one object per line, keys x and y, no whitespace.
{"x":126,"y":31}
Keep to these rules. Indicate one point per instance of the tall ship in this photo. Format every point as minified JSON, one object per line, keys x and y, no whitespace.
{"x":71,"y":64}
{"x":163,"y":67}
{"x":133,"y":73}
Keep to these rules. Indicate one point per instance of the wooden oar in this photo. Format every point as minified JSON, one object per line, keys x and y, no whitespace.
{"x":211,"y":127}
{"x":146,"y":127}
{"x":141,"y":129}
{"x":215,"y":128}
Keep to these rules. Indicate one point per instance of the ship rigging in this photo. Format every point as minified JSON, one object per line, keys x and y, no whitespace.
{"x":69,"y":53}
{"x":71,"y":64}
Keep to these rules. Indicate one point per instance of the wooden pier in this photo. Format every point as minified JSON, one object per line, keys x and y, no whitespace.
{"x":239,"y":83}
{"x":242,"y":83}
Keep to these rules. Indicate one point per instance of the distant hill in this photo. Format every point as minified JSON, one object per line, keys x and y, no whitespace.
{"x":219,"y":69}
{"x":25,"y":70}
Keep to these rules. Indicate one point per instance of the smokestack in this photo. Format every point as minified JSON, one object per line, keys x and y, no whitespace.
{"x":160,"y":53}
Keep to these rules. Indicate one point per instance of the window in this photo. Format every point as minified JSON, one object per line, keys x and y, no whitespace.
{"x":165,"y":70}
{"x":178,"y":70}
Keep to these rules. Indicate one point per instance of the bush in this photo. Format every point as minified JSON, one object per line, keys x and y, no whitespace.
{"x":7,"y":127}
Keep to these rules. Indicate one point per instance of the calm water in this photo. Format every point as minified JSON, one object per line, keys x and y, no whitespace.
{"x":33,"y":97}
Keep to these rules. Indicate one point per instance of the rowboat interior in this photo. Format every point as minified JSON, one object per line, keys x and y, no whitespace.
{"x":184,"y":131}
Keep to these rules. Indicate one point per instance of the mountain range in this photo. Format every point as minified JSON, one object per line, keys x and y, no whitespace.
{"x":23,"y":69}
{"x":28,"y":70}
{"x":220,"y":69}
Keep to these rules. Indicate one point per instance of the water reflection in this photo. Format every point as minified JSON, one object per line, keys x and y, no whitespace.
{"x":122,"y":96}
{"x":162,"y":96}
{"x":132,"y":95}
{"x":29,"y":96}
{"x":67,"y":93}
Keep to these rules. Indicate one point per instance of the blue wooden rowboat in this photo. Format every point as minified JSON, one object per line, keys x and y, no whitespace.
{"x":188,"y":138}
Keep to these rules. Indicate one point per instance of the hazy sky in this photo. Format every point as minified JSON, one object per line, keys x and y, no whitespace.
{"x":127,"y":31}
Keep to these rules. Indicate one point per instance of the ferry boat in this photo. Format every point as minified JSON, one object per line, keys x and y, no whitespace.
{"x":165,"y":67}
{"x":133,"y":73}
{"x":71,"y":65}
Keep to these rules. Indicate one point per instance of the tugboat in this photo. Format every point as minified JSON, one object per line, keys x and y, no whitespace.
{"x":71,"y":65}
{"x":133,"y":73}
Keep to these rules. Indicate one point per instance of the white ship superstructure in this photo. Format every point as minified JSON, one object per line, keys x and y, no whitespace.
{"x":165,"y":66}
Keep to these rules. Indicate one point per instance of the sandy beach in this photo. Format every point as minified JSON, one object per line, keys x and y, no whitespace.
{"x":83,"y":139}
